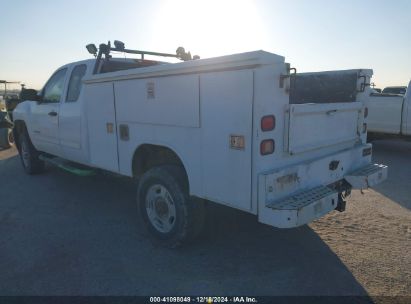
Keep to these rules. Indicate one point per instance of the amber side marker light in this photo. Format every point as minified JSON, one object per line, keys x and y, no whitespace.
{"x":267,"y":147}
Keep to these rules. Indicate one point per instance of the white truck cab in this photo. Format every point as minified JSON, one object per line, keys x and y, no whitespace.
{"x":239,"y":130}
{"x":390,"y":114}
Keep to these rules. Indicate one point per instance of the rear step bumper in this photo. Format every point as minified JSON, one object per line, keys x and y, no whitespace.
{"x":367,"y":176}
{"x":303,"y":207}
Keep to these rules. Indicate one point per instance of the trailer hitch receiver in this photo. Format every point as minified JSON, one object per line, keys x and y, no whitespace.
{"x":341,"y":203}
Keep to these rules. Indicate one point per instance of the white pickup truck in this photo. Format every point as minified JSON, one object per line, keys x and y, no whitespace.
{"x":238,"y":130}
{"x":389,"y":114}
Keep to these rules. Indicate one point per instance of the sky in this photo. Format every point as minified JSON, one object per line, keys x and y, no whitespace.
{"x":313,"y":35}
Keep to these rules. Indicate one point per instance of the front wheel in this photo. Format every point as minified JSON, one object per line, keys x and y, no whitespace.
{"x":29,"y":155}
{"x":165,"y":208}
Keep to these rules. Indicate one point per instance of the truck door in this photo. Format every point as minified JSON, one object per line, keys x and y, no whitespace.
{"x":101,"y":125}
{"x":45,"y":115}
{"x":71,"y":126}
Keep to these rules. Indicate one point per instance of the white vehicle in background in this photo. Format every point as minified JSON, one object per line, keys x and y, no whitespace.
{"x":237,"y":130}
{"x":389,"y":114}
{"x":399,"y":90}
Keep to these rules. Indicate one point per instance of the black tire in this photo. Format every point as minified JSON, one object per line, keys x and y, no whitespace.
{"x":189,"y":212}
{"x":6,"y":138}
{"x":11,"y":137}
{"x":29,"y":156}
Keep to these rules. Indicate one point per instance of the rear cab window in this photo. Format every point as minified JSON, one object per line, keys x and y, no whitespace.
{"x":76,"y":82}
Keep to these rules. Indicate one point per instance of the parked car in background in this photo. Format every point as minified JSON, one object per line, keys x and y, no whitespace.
{"x":6,"y":132}
{"x":8,"y":101}
{"x":389,"y":114}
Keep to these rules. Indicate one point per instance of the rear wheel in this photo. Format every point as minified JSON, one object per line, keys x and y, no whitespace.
{"x":165,"y":208}
{"x":29,"y":155}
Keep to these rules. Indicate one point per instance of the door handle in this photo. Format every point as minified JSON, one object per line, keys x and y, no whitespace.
{"x":52,"y":113}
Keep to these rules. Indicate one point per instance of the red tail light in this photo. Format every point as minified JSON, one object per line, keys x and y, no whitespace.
{"x":268,"y":123}
{"x":365,"y":112}
{"x":267,"y":147}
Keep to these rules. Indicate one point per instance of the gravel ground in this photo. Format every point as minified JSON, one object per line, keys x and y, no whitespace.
{"x":66,"y":235}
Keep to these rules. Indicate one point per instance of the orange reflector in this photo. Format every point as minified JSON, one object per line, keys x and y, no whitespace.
{"x":267,"y":147}
{"x":268,"y":123}
{"x":237,"y":142}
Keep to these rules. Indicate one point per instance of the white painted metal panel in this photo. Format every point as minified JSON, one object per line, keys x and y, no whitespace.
{"x":226,"y":109}
{"x":185,"y":142}
{"x":70,"y":125}
{"x":269,"y":99}
{"x":314,"y":126}
{"x":384,"y":114}
{"x":100,"y":109}
{"x":172,"y":100}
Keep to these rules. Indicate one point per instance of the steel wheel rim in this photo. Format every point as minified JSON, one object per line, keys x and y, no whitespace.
{"x":25,"y":156}
{"x":160,"y":208}
{"x":11,"y":137}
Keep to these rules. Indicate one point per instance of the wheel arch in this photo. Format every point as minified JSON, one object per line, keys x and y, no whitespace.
{"x":149,"y":155}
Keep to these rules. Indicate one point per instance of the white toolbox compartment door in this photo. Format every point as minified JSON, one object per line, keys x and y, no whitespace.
{"x":226,"y":110}
{"x":313,"y":126}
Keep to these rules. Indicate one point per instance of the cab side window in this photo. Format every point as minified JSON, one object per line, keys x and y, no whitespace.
{"x":75,"y":83}
{"x":54,"y":88}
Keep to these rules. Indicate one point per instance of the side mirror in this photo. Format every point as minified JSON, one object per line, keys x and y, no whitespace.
{"x":29,"y":94}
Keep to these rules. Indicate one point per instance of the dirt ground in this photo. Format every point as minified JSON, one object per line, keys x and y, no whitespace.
{"x":66,"y":235}
{"x":373,"y":237}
